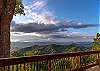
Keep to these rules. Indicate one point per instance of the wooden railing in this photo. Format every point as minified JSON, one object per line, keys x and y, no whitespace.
{"x":75,"y":61}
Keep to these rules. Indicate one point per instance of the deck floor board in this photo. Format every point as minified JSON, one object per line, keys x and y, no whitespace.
{"x":95,"y":68}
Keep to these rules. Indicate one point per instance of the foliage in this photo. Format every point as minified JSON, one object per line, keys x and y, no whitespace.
{"x":96,"y":43}
{"x":72,"y":48}
{"x":19,"y":8}
{"x":47,"y":49}
{"x":33,"y":52}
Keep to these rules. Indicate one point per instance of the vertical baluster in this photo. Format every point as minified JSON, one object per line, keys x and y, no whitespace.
{"x":38,"y":66}
{"x":90,"y":61}
{"x":24,"y":66}
{"x":58,"y":64}
{"x":70,"y":63}
{"x":41,"y":65}
{"x":77,"y":61}
{"x":53,"y":65}
{"x":64,"y":63}
{"x":28,"y":66}
{"x":20,"y":67}
{"x":4,"y":68}
{"x":31,"y":66}
{"x":73,"y":63}
{"x":45,"y":65}
{"x":80,"y":59}
{"x":61,"y":64}
{"x":98,"y":55}
{"x":46,"y":62}
{"x":67,"y":67}
{"x":34,"y":66}
{"x":8,"y":68}
{"x":49,"y":65}
{"x":16,"y":67}
{"x":13,"y":68}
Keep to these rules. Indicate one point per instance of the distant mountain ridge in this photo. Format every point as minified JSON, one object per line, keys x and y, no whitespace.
{"x":51,"y":48}
{"x":29,"y":44}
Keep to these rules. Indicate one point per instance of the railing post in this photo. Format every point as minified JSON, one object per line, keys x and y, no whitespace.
{"x":98,"y":55}
{"x":80,"y":60}
{"x":49,"y":65}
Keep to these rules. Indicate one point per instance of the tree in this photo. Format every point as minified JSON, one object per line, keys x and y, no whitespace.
{"x":8,"y":8}
{"x":96,"y":43}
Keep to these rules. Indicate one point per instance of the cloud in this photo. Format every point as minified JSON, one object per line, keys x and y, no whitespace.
{"x":44,"y":19}
{"x":61,"y":26}
{"x":76,"y":24}
{"x":41,"y":24}
{"x":39,"y":4}
{"x":26,"y":37}
{"x":39,"y":13}
{"x":34,"y":32}
{"x":51,"y":37}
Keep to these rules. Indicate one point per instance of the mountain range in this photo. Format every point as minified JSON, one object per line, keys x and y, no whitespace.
{"x":29,"y":44}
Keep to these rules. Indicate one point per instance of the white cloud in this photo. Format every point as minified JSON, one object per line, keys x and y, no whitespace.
{"x":15,"y":40}
{"x":37,"y":12}
{"x":39,"y":4}
{"x":51,"y":37}
{"x":44,"y":18}
{"x":25,"y":34}
{"x":25,"y":37}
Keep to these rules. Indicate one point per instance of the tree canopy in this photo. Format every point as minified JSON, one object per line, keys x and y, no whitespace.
{"x":96,"y":43}
{"x":19,"y":8}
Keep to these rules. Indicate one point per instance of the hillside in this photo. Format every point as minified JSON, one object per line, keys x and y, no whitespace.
{"x":49,"y":49}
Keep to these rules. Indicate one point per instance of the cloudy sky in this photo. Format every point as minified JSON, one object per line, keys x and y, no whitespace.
{"x":56,"y":21}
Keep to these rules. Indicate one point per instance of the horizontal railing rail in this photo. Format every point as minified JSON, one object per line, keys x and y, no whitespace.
{"x":74,"y":61}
